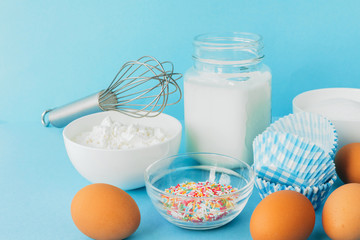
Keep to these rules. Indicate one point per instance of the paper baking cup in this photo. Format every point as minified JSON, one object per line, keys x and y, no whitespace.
{"x":277,"y":175}
{"x":316,"y":194}
{"x":310,"y":126}
{"x":290,"y":159}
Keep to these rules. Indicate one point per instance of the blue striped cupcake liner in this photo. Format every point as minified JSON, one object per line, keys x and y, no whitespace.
{"x":310,"y":126}
{"x":316,"y":194}
{"x":292,"y":160}
{"x":272,"y":173}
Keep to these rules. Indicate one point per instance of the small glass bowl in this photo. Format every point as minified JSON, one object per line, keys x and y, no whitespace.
{"x":199,"y":213}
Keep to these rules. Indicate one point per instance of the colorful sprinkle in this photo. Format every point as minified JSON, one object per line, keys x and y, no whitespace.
{"x":199,"y":210}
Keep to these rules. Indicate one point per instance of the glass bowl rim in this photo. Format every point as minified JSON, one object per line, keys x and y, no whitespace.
{"x":249,"y":185}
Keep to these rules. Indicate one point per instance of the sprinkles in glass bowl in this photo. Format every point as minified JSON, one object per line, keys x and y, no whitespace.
{"x":199,"y":210}
{"x":196,"y":196}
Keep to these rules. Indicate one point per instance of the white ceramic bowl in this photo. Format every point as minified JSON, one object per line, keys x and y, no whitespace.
{"x":340,"y":105}
{"x":122,"y":168}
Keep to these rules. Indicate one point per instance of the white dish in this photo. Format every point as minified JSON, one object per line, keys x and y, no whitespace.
{"x":122,"y":168}
{"x":340,"y":105}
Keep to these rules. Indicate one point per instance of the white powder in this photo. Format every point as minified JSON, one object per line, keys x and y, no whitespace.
{"x":337,"y":109}
{"x":116,"y":135}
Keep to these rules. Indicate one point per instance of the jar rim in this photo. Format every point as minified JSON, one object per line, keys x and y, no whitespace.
{"x":228,"y":40}
{"x":227,"y":49}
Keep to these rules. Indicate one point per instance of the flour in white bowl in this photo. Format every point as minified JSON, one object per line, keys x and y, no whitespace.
{"x":116,"y":135}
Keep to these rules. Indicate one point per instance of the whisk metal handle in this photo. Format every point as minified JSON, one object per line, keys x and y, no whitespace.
{"x":61,"y":116}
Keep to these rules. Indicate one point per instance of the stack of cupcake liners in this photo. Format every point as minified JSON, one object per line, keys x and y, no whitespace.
{"x":311,"y":126}
{"x":298,"y":160}
{"x":296,"y":152}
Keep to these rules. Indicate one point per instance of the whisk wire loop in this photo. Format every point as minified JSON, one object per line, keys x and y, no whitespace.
{"x":131,"y":76}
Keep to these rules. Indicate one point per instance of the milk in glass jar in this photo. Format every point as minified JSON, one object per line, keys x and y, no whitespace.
{"x":227,"y":95}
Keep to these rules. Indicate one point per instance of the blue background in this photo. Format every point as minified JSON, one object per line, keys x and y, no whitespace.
{"x":53,"y":52}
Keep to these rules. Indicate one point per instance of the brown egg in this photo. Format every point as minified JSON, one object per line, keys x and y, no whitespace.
{"x":105,"y":212}
{"x":347,"y":163}
{"x":341,"y":213}
{"x":283,"y":215}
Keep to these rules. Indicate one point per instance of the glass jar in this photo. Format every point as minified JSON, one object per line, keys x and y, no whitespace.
{"x":227,"y":95}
